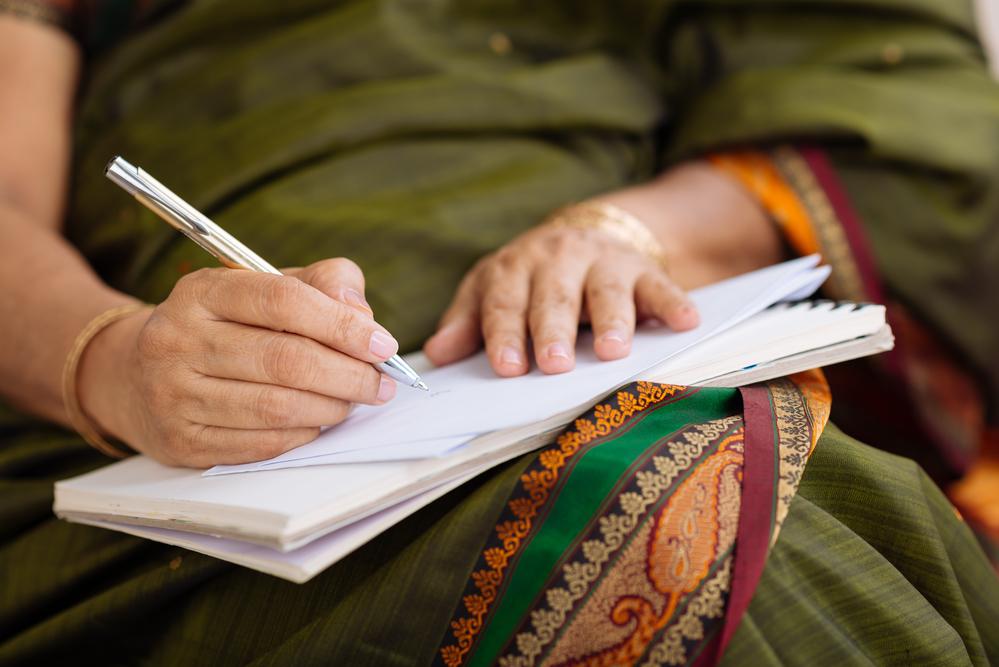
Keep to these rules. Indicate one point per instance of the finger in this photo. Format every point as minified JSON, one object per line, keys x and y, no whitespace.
{"x":610,"y":299}
{"x":284,"y":303}
{"x":458,"y":334}
{"x":505,"y":287}
{"x":202,"y":446}
{"x":239,"y":352}
{"x":556,"y":299}
{"x":658,"y":296}
{"x":251,"y":405}
{"x":339,"y":279}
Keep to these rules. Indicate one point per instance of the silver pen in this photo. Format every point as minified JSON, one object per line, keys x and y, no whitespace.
{"x":217,"y":241}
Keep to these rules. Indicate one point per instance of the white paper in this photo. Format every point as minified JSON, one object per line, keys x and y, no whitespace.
{"x":468,"y":398}
{"x":298,"y":565}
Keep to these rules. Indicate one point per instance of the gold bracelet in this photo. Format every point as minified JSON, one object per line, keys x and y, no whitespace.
{"x":609,"y":219}
{"x":69,"y":396}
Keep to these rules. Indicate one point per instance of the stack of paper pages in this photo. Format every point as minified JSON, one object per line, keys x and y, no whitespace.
{"x":295,"y":515}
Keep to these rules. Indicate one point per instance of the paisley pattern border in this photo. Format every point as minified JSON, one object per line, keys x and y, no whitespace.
{"x":651,"y":578}
{"x":689,"y":526}
{"x":520,"y":518}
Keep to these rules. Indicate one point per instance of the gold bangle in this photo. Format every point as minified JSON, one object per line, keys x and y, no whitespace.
{"x":609,"y":219}
{"x":69,"y":396}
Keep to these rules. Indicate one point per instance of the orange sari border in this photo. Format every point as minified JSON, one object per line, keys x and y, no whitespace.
{"x":784,"y":183}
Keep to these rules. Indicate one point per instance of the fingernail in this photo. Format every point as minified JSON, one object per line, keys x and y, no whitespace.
{"x":613,"y":334}
{"x":353,"y":298}
{"x":382,"y":345}
{"x":511,"y":355}
{"x":386,"y":390}
{"x":557,"y":350}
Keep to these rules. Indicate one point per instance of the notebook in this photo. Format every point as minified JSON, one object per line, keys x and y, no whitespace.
{"x":296,"y":515}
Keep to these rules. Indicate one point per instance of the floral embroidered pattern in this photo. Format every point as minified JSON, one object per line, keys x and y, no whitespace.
{"x":538,"y":483}
{"x":632,"y":576}
{"x":846,"y":282}
{"x":799,"y":424}
{"x":647,"y":578}
{"x":708,"y":603}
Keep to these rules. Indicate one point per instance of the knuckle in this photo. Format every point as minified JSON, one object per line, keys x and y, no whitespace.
{"x":346,"y":267}
{"x":274,"y":408}
{"x":557,"y":297}
{"x":266,"y":445}
{"x":503,"y":302}
{"x":329,"y":275}
{"x":186,"y":445}
{"x":158,"y":339}
{"x":195,"y":281}
{"x":607,"y":290}
{"x":277,"y":295}
{"x":198,"y":287}
{"x":504,"y":260}
{"x":343,"y":328}
{"x":566,"y":241}
{"x":360,"y":381}
{"x":289,"y":363}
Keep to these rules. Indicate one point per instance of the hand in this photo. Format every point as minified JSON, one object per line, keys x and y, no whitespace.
{"x":237,"y":366}
{"x":545,"y":282}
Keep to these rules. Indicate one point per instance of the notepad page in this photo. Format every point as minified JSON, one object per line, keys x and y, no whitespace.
{"x":468,"y":398}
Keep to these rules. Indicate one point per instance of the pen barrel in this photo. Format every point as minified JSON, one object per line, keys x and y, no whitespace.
{"x":399,"y":370}
{"x":192,"y":223}
{"x":228,"y":250}
{"x":184,"y":218}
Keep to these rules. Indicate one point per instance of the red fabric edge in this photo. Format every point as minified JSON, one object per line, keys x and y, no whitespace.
{"x":756,"y":514}
{"x":825,"y":174}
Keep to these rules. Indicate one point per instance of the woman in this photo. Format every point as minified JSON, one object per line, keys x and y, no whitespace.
{"x":415,"y":139}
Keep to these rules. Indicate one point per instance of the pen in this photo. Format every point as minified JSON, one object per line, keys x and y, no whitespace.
{"x":216,"y":240}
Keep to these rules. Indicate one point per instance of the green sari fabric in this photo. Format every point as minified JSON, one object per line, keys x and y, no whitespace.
{"x":390,"y":132}
{"x":872,"y":566}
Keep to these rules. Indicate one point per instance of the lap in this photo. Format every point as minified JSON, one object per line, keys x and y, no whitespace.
{"x":871,"y":564}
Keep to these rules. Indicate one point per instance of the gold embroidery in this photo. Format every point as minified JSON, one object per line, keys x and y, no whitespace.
{"x":845,"y":282}
{"x":538,"y":484}
{"x":815,"y":389}
{"x":708,"y":603}
{"x":794,"y":445}
{"x":616,"y":528}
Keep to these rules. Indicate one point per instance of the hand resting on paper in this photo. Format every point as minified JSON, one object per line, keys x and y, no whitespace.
{"x":545,"y":282}
{"x":239,"y":366}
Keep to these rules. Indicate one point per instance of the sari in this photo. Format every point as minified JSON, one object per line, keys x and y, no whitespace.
{"x":669,"y":525}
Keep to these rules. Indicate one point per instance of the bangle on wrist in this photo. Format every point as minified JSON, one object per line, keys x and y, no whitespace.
{"x":70,"y":399}
{"x":612,"y":221}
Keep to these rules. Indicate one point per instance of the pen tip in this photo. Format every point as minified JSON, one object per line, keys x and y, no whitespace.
{"x":419,"y":383}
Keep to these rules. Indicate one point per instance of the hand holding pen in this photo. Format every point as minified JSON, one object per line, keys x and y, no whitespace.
{"x":239,"y":366}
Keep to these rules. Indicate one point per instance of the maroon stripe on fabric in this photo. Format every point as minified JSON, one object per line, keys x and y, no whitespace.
{"x":825,"y":173}
{"x":709,"y":655}
{"x":756,"y":512}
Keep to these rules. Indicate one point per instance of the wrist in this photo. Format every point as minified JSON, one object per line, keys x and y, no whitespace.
{"x":612,"y":221}
{"x":108,"y":377}
{"x":710,"y":228}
